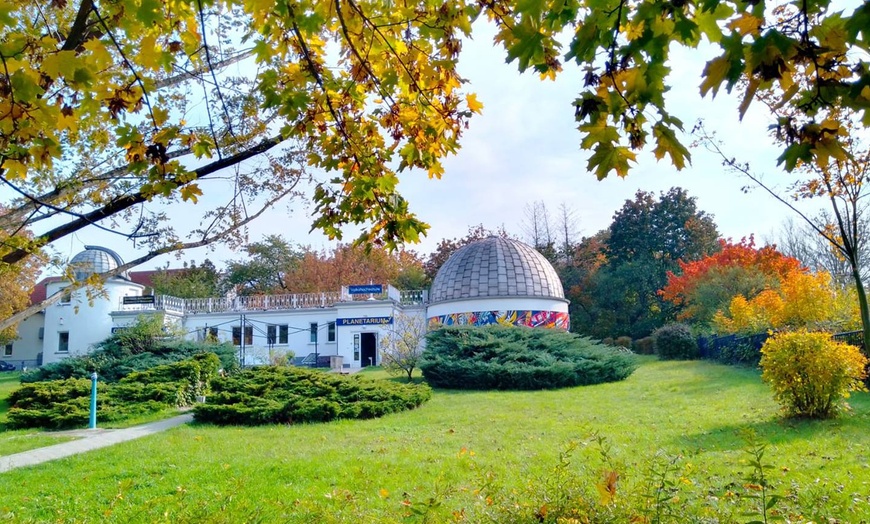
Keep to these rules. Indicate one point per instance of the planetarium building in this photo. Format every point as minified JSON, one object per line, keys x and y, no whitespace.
{"x":492,"y":281}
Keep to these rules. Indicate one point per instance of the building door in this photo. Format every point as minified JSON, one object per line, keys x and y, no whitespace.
{"x":369,"y":349}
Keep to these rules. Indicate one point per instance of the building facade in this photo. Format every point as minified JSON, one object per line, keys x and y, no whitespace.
{"x":494,"y":280}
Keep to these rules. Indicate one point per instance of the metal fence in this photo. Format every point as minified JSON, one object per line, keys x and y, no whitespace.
{"x":734,"y":349}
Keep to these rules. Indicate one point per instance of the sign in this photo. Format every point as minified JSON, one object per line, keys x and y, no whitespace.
{"x":371,"y":289}
{"x":367,"y":321}
{"x":143,"y":299}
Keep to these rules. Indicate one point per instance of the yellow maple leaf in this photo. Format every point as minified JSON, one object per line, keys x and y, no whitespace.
{"x":473,"y":104}
{"x":746,"y":24}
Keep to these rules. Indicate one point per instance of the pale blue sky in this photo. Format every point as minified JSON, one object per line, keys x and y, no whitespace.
{"x":525,"y":147}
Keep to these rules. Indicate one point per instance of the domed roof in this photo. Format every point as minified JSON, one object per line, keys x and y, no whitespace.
{"x":95,"y":259}
{"x":495,"y":267}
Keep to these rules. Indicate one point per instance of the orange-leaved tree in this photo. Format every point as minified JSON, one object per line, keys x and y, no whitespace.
{"x":708,"y":285}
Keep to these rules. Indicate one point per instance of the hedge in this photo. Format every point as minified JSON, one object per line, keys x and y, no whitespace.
{"x":506,"y":357}
{"x":60,"y":404}
{"x":279,"y":395}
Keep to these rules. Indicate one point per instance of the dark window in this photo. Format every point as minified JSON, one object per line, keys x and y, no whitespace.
{"x":271,"y":334}
{"x":7,"y":351}
{"x":63,"y":342}
{"x":237,"y":335}
{"x":282,"y":334}
{"x":313,"y":332}
{"x":330,"y":332}
{"x":66,"y":298}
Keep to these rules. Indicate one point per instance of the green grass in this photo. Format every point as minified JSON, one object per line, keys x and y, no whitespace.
{"x":16,"y":441}
{"x":460,"y":442}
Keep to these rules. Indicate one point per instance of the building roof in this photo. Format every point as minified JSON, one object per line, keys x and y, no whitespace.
{"x":495,"y":267}
{"x":95,"y":259}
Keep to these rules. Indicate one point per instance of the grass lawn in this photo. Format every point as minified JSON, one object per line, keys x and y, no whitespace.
{"x":15,"y":441}
{"x":464,"y":453}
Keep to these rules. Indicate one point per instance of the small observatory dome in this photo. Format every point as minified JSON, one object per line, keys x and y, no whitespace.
{"x":95,"y":259}
{"x":498,"y":280}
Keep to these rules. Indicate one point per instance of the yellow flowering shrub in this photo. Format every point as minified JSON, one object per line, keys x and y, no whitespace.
{"x":810,"y":373}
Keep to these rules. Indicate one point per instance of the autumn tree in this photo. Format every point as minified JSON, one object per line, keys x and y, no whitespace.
{"x":706,"y":286}
{"x":348,"y":264}
{"x":107,"y":108}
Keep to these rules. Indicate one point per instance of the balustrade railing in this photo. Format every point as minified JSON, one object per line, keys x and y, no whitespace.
{"x":243,"y":303}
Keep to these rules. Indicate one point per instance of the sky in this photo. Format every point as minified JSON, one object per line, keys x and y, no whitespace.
{"x":525,"y":148}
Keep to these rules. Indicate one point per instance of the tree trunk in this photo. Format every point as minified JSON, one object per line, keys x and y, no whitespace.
{"x":862,"y":303}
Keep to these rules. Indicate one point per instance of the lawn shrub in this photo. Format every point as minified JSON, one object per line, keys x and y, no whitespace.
{"x":112,"y":360}
{"x":276,"y":395}
{"x":676,"y":342}
{"x":810,"y":373}
{"x":506,"y":357}
{"x":623,"y":342}
{"x":645,"y":346}
{"x":59,"y":404}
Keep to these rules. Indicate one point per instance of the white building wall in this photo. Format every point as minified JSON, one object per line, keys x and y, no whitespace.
{"x":297,"y":322}
{"x":85,"y":322}
{"x":27,"y":347}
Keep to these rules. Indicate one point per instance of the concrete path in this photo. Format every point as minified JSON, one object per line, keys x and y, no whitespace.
{"x":91,"y":439}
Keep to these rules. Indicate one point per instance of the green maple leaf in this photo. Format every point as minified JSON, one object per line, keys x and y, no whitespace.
{"x":608,"y":157}
{"x":668,"y":144}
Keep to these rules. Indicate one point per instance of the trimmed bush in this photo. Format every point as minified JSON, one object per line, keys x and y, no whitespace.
{"x":676,"y":342}
{"x":59,"y":404}
{"x":645,"y":346}
{"x":276,"y":395}
{"x":507,"y":357}
{"x":810,"y":373}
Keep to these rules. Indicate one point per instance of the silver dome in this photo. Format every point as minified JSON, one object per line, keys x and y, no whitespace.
{"x":95,"y":259}
{"x":495,"y":267}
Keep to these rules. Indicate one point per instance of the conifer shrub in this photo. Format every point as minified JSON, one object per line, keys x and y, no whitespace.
{"x":140,"y":347}
{"x":287,"y":395}
{"x":676,"y":342}
{"x":507,"y":357}
{"x":810,"y":373}
{"x":60,"y":404}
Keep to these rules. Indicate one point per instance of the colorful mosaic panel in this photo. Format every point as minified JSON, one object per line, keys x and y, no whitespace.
{"x":548,"y":319}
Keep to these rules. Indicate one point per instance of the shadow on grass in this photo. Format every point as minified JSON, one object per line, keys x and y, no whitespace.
{"x":779,"y":430}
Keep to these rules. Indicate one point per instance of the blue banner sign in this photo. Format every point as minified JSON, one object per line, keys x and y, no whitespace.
{"x":374,"y":289}
{"x":367,"y":321}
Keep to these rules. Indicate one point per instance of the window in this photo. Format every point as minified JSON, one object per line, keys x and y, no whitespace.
{"x":63,"y":342}
{"x":66,"y":298}
{"x":237,"y":335}
{"x":330,"y":332}
{"x":276,"y":334}
{"x":7,"y":351}
{"x":313,"y":330}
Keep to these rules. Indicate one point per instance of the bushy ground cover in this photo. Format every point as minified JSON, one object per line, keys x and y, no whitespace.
{"x":59,"y":404}
{"x":507,"y":357}
{"x":16,"y":441}
{"x":140,"y":347}
{"x":673,"y":430}
{"x":288,"y":395}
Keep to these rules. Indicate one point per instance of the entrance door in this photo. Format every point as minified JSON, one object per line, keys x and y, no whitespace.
{"x":368,"y":349}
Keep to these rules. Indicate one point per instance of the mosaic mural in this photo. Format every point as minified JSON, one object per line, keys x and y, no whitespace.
{"x":549,"y":319}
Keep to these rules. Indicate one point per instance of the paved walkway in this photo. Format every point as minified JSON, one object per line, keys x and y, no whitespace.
{"x":91,"y":439}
